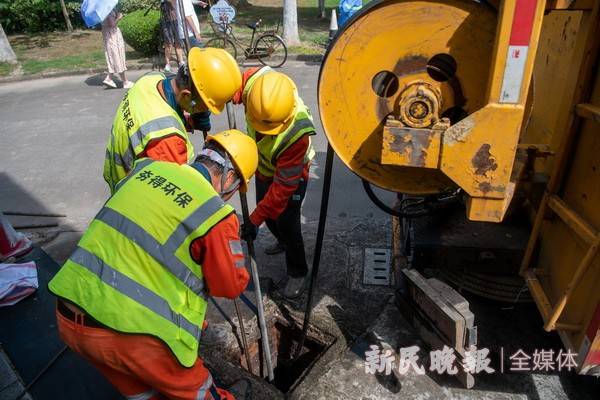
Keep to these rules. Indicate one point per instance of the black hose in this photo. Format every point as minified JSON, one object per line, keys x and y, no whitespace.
{"x":318,"y":247}
{"x":429,"y":205}
{"x":387,"y":209}
{"x":42,"y":372}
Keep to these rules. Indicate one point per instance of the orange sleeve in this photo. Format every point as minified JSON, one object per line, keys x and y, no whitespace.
{"x":222,"y":258}
{"x":290,"y":169}
{"x":170,"y":148}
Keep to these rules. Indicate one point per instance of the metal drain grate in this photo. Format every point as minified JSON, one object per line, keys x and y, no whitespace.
{"x":377,"y":265}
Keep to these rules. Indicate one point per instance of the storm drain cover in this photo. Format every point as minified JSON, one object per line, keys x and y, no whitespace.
{"x":377,"y":265}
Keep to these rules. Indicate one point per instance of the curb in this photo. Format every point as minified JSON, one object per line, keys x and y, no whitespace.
{"x":59,"y":74}
{"x":317,"y":58}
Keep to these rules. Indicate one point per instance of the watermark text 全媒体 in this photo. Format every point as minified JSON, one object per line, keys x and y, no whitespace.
{"x":475,"y":361}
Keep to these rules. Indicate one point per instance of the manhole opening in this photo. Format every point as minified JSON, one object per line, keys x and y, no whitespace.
{"x":441,"y":67}
{"x":284,"y":338}
{"x":385,"y":84}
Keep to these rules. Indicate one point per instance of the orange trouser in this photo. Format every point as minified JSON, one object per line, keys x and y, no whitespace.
{"x":139,"y":366}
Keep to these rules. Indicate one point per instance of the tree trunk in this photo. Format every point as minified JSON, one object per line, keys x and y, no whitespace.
{"x":66,"y":15}
{"x":6,"y":52}
{"x":322,"y":9}
{"x":290,"y":23}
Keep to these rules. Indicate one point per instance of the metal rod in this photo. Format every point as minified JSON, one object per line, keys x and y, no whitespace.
{"x":243,"y":335}
{"x":248,"y":303}
{"x":582,"y":268}
{"x":254,"y":269}
{"x":42,"y":372}
{"x":318,"y":247}
{"x":30,"y":214}
{"x":533,"y":236}
{"x":184,"y":28}
{"x":223,"y":314}
{"x":31,"y":226}
{"x":257,"y":290}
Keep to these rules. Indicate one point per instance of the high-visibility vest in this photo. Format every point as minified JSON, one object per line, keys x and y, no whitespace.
{"x":271,"y":146}
{"x":143,"y":115}
{"x":132,"y":269}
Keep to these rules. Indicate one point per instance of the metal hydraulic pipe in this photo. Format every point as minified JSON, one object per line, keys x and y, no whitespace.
{"x":33,"y":214}
{"x":318,"y":247}
{"x":243,"y":335}
{"x":184,"y":28}
{"x":254,"y":269}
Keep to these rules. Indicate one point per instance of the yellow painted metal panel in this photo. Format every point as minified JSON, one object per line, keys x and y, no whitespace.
{"x":400,"y":37}
{"x":553,"y":82}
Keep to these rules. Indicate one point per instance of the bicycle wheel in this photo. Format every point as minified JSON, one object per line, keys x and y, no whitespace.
{"x":271,"y":50}
{"x":223,"y":43}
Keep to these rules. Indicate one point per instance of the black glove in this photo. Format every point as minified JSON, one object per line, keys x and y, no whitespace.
{"x":201,"y":121}
{"x":249,"y":231}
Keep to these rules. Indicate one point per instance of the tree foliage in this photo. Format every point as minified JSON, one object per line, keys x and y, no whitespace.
{"x":141,"y":31}
{"x":19,"y":16}
{"x":128,"y":6}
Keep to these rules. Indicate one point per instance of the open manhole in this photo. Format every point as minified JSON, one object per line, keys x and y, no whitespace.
{"x":284,"y":337}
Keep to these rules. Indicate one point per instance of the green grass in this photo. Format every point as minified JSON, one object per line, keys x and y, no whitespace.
{"x":93,"y":59}
{"x":6,"y":68}
{"x":61,"y":51}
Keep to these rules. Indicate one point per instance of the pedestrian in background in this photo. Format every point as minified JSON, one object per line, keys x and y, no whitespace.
{"x":190,"y":22}
{"x":114,"y":50}
{"x":169,"y":31}
{"x":347,"y":8}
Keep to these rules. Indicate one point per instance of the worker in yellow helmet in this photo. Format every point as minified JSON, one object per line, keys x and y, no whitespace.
{"x":150,"y":119}
{"x":133,"y":295}
{"x":281,"y":124}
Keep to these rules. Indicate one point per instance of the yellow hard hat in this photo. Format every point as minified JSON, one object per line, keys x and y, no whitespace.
{"x":216,"y":76}
{"x":271,"y":103}
{"x":242,"y":151}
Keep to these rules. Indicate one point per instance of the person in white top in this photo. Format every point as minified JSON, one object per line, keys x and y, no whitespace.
{"x":191,"y":22}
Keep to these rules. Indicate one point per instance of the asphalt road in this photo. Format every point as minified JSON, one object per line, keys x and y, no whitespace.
{"x":53,"y":136}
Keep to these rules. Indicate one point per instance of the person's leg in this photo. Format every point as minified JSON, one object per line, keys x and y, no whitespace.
{"x":139,"y":364}
{"x":168,"y":50}
{"x":90,"y":343}
{"x":290,"y":234}
{"x":179,"y":54}
{"x":126,"y":84}
{"x":108,"y":81}
{"x":262,"y":187}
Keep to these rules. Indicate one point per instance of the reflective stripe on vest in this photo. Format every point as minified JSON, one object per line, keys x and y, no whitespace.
{"x":203,"y":390}
{"x":132,"y":289}
{"x":133,"y":271}
{"x":271,"y":147}
{"x":143,"y":115}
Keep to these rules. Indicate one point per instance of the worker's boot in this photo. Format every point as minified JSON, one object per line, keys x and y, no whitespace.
{"x":241,"y":389}
{"x":275,"y":249}
{"x":294,"y":287}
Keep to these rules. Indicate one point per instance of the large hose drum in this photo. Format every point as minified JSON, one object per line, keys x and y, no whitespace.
{"x":406,"y":98}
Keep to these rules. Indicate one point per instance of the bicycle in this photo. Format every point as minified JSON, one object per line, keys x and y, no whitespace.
{"x":269,"y":48}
